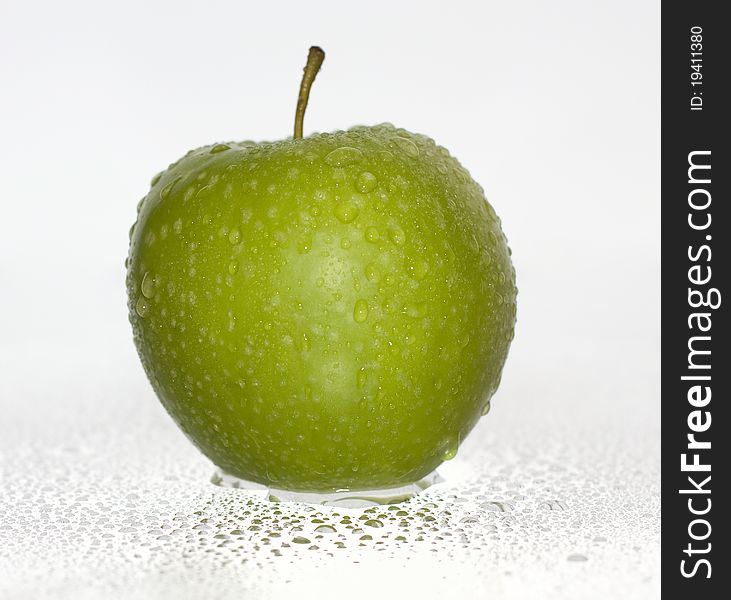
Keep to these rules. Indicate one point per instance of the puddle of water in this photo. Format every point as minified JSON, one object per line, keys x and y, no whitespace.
{"x":344,"y":498}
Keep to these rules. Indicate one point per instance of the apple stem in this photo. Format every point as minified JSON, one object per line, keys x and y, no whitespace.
{"x":314,"y":62}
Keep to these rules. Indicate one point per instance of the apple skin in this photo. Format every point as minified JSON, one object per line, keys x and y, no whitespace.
{"x":332,"y":312}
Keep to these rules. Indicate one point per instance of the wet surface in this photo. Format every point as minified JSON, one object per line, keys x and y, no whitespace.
{"x":103,"y":497}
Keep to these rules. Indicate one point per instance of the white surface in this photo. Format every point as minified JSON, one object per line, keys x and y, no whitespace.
{"x":553,"y":107}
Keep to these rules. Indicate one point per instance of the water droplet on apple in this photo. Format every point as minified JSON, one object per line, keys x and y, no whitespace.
{"x":360,"y":311}
{"x":371,"y":234}
{"x":219,"y":148}
{"x":156,"y":178}
{"x":165,"y":192}
{"x":451,"y":451}
{"x":233,"y":267}
{"x":361,"y":377}
{"x":147,"y":286}
{"x":485,"y":408}
{"x":408,"y":147}
{"x":142,"y":308}
{"x":366,"y":182}
{"x":344,"y":156}
{"x":397,"y":236}
{"x":417,"y":269}
{"x":371,"y":273}
{"x":346,"y":212}
{"x":415,"y":310}
{"x":234,"y":236}
{"x":301,"y":540}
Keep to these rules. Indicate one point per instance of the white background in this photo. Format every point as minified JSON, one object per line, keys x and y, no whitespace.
{"x":552,"y":106}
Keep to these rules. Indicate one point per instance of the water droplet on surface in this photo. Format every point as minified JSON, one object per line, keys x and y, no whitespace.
{"x":360,"y":311}
{"x":485,"y":408}
{"x":497,"y":506}
{"x":576,"y":558}
{"x":366,"y":182}
{"x":344,"y":156}
{"x":301,"y":540}
{"x":233,"y":267}
{"x":325,"y":529}
{"x":374,"y":523}
{"x":219,"y":148}
{"x":346,"y":212}
{"x":554,"y":505}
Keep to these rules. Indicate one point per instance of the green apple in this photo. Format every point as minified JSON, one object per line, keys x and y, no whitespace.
{"x":322,"y":313}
